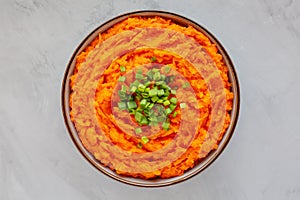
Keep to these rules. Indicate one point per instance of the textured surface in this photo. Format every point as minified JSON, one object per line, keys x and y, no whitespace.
{"x":37,"y":157}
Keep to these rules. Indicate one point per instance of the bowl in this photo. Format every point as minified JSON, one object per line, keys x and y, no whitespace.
{"x":202,"y":163}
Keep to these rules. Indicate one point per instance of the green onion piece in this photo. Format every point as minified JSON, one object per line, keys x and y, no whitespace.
{"x":139,"y":145}
{"x":173,"y":100}
{"x":153,"y":59}
{"x":138,"y":97}
{"x":141,"y":88}
{"x":160,"y":101}
{"x":160,"y":92}
{"x":167,"y":69}
{"x":172,"y":106}
{"x":143,"y":103}
{"x":145,"y":95}
{"x":159,"y":83}
{"x":138,"y":130}
{"x":182,"y":105}
{"x":147,"y":89}
{"x":130,"y":98}
{"x":155,"y":70}
{"x":174,"y":114}
{"x":168,"y":111}
{"x":166,"y":125}
{"x":185,"y":85}
{"x":155,"y":98}
{"x":139,"y":76}
{"x":131,"y":104}
{"x":122,"y":68}
{"x":153,"y":92}
{"x":144,"y":121}
{"x":122,"y":105}
{"x":144,"y":139}
{"x":147,"y":83}
{"x":156,"y":76}
{"x":151,"y":105}
{"x":132,"y":111}
{"x":147,"y":104}
{"x":165,"y":98}
{"x":139,"y":70}
{"x":173,"y":91}
{"x":167,"y":93}
{"x":153,"y":123}
{"x":136,"y":83}
{"x":163,"y":77}
{"x":122,"y":79}
{"x":123,"y":88}
{"x":138,"y":116}
{"x":166,"y":103}
{"x":133,"y":89}
{"x":150,"y":74}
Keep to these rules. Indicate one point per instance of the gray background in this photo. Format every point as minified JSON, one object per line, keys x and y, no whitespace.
{"x":38,"y":159}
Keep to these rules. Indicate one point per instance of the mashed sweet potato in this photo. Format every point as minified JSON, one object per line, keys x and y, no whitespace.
{"x":106,"y":132}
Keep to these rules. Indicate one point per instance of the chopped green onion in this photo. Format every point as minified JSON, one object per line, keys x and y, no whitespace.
{"x":143,"y":103}
{"x":147,"y":89}
{"x":138,"y":116}
{"x":160,"y":92}
{"x":145,"y":95}
{"x":139,"y":76}
{"x":156,"y":76}
{"x":136,"y":83}
{"x":138,"y":97}
{"x":168,"y":111}
{"x":122,"y":79}
{"x":173,"y":100}
{"x":167,"y":69}
{"x":173,"y":91}
{"x":166,"y":125}
{"x":122,"y":68}
{"x":153,"y":59}
{"x":163,"y":77}
{"x":160,"y":83}
{"x":139,"y":145}
{"x":144,"y":139}
{"x":151,"y":105}
{"x":123,"y":88}
{"x":174,"y":114}
{"x":167,"y":93}
{"x":153,"y":92}
{"x":155,"y":98}
{"x":131,"y":104}
{"x":155,"y":70}
{"x":172,"y":106}
{"x":141,"y":88}
{"x":160,"y":101}
{"x":133,"y":89}
{"x":185,"y":85}
{"x":144,"y":121}
{"x":139,"y":71}
{"x":138,"y":130}
{"x":182,"y":105}
{"x":166,"y":103}
{"x":122,"y":105}
{"x":165,"y":98}
{"x":153,"y":123}
{"x":150,"y":74}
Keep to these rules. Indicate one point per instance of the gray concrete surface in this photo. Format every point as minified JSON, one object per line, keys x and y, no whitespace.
{"x":38,"y":159}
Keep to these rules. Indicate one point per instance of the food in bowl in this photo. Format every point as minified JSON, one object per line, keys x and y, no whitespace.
{"x":150,"y":98}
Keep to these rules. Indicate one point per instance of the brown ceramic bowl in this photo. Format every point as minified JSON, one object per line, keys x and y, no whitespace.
{"x":154,"y":182}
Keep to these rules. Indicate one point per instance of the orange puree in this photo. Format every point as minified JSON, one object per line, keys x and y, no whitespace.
{"x":193,"y":133}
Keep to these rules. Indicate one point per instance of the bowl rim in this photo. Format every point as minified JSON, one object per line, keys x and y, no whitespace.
{"x":209,"y":159}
